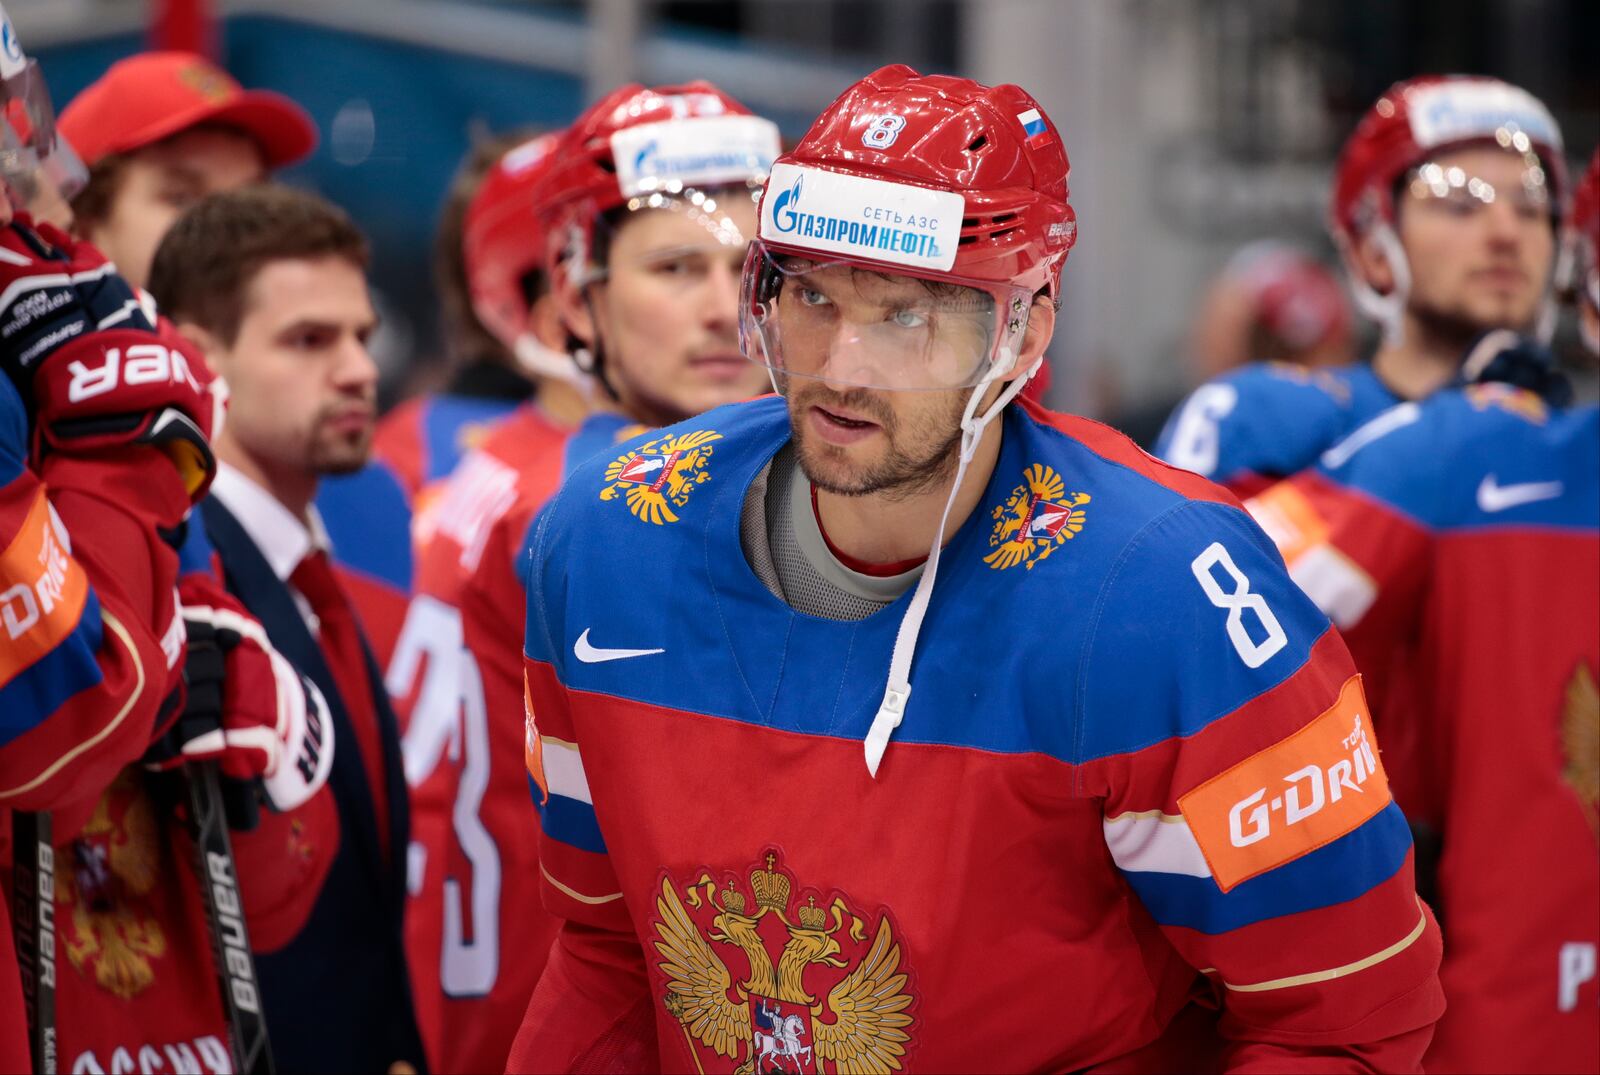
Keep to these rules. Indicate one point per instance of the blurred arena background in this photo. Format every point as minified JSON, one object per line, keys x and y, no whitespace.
{"x":1195,"y":127}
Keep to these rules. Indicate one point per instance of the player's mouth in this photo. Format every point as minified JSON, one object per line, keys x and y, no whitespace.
{"x":721,"y":366}
{"x":349,"y":421}
{"x":837,"y":426}
{"x":1502,"y":277}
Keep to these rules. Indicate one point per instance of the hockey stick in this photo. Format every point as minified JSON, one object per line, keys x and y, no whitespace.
{"x":230,"y":942}
{"x":33,"y":885}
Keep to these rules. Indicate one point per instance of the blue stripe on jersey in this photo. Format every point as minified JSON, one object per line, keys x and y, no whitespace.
{"x":29,"y":699}
{"x":571,"y":821}
{"x":1343,"y":870}
{"x":369,"y":523}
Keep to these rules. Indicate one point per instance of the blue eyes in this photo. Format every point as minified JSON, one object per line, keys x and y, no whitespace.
{"x":902,"y":318}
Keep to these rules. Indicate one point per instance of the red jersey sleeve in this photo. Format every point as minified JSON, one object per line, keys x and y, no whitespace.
{"x":90,"y":620}
{"x":1225,"y":729}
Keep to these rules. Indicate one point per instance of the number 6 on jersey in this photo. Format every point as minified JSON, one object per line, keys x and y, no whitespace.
{"x":1254,"y":654}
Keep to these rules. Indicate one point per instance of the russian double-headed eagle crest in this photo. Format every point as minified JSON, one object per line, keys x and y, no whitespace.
{"x":1580,"y":742}
{"x":821,"y":989}
{"x":108,"y":927}
{"x":1036,"y":519}
{"x":659,"y":475}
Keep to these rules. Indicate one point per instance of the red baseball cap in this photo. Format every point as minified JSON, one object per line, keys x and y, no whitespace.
{"x":154,"y":95}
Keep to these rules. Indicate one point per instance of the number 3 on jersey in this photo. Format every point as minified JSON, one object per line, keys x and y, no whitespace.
{"x":1238,"y":601}
{"x":450,"y":715}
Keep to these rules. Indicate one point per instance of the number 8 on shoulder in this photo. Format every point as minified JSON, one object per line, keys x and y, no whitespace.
{"x":1254,"y":654}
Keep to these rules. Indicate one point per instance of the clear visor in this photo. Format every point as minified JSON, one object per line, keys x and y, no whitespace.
{"x":690,"y":232}
{"x":1460,"y":190}
{"x":35,"y":161}
{"x":850,"y":325}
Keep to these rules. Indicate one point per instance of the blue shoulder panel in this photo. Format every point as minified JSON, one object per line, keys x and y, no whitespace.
{"x":1482,"y":457}
{"x":444,"y":420}
{"x":1268,"y":419}
{"x":369,"y":522}
{"x":1197,"y":618}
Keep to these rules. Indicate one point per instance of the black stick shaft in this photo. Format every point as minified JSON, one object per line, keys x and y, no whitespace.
{"x":34,"y":924}
{"x":230,"y":942}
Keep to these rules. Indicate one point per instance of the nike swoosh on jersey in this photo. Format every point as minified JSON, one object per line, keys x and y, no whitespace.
{"x":1493,"y":496}
{"x":588,"y":654}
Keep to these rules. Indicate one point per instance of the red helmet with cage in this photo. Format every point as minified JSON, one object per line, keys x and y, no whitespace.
{"x":1422,"y":116}
{"x":637,"y":142}
{"x":931,"y":177}
{"x":504,"y":237}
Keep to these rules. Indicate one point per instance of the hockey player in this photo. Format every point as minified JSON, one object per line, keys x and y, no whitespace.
{"x":673,"y":263}
{"x":1119,"y":754}
{"x":1430,"y":259}
{"x":94,"y":496}
{"x":1457,"y":543}
{"x":423,"y":439}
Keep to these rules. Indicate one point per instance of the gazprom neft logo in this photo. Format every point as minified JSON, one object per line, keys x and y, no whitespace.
{"x":1458,"y":111}
{"x":866,"y":218}
{"x":694,"y":152}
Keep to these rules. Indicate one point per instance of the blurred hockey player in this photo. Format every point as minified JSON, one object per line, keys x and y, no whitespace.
{"x":99,"y":469}
{"x":1445,"y":207}
{"x":161,"y":130}
{"x":423,"y":439}
{"x":1114,"y":738}
{"x":1457,"y":543}
{"x":671,"y":262}
{"x":270,"y":283}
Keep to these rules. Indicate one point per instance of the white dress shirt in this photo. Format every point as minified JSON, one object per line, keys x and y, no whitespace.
{"x":282,"y":539}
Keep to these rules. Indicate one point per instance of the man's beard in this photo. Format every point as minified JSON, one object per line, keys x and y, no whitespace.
{"x":904,"y":471}
{"x":1456,"y":329}
{"x":331,"y":456}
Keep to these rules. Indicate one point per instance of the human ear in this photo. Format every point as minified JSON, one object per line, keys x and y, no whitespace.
{"x":573,"y":307}
{"x":1372,"y":264}
{"x":1041,"y":326}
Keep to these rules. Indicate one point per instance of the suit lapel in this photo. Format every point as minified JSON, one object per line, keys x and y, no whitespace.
{"x":249,"y":578}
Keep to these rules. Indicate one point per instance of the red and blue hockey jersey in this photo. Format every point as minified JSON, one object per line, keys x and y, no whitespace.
{"x":1457,"y":543}
{"x":1269,"y":420}
{"x":1135,"y":760}
{"x":475,"y":935}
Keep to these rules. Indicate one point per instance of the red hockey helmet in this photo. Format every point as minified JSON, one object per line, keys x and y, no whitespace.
{"x":638,"y":142}
{"x":504,"y":237}
{"x":940,"y":179}
{"x":1584,"y":232}
{"x":1422,"y":116}
{"x":1581,"y":258}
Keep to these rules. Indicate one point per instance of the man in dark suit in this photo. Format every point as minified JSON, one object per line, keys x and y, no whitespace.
{"x":271,"y":284}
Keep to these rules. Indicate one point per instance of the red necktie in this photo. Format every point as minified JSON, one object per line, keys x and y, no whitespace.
{"x":343,"y":649}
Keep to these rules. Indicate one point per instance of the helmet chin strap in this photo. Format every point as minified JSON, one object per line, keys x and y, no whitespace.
{"x":1387,"y":310}
{"x":893,"y":708}
{"x":541,"y":361}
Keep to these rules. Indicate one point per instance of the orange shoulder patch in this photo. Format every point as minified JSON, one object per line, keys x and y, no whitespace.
{"x":532,"y":745}
{"x":1295,"y":796}
{"x":45,"y":604}
{"x":1289,"y":519}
